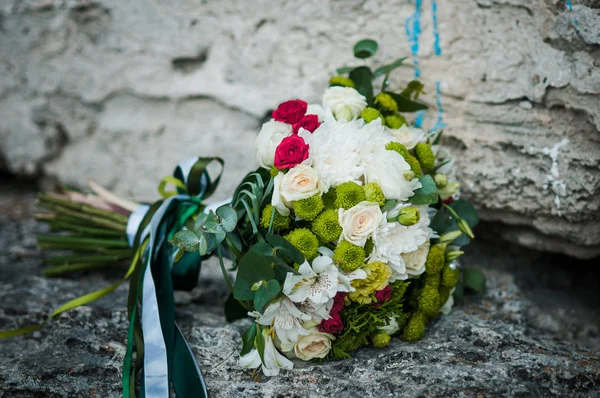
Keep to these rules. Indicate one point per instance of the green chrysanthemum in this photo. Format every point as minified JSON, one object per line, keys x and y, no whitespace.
{"x":341,"y":81}
{"x":412,"y":161}
{"x":386,"y":102}
{"x":429,"y":300}
{"x":348,"y":256}
{"x":374,"y":193}
{"x":329,"y":198}
{"x":425,"y":155}
{"x":395,"y":121}
{"x":305,"y":241}
{"x":369,"y":114}
{"x":378,"y":276}
{"x":449,"y":276}
{"x":349,"y":194}
{"x":380,"y":339}
{"x":279,"y":221}
{"x":326,"y":226}
{"x":309,"y":208}
{"x":415,"y":329}
{"x":369,"y":245}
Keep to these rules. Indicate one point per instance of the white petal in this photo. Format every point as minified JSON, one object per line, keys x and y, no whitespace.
{"x":251,"y":360}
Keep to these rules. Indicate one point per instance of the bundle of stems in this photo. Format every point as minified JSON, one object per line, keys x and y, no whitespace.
{"x":90,"y":229}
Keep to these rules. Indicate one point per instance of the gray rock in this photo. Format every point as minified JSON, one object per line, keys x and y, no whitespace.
{"x":535,"y":332}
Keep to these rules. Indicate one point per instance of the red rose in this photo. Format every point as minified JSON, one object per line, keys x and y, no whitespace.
{"x":332,"y":325}
{"x":338,"y":302}
{"x":383,"y":295}
{"x":308,"y":122}
{"x":291,"y":151}
{"x":290,"y":111}
{"x":449,"y":200}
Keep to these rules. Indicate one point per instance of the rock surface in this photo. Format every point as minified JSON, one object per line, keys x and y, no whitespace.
{"x":535,"y":332}
{"x":122,"y":91}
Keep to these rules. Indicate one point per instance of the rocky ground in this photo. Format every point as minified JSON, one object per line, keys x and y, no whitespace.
{"x":535,"y":332}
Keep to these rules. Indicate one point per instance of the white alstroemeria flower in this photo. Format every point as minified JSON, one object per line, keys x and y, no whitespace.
{"x":270,"y":136}
{"x":447,"y":307}
{"x":284,"y":316}
{"x":359,"y":222}
{"x":387,"y":169}
{"x":345,"y":102}
{"x":317,"y":284}
{"x":273,"y":358}
{"x":407,"y":136}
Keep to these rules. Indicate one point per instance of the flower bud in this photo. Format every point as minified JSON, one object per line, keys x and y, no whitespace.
{"x":453,"y":255}
{"x":463,"y":226}
{"x":380,"y":340}
{"x":374,"y":193}
{"x":408,"y":175}
{"x":441,"y":180}
{"x":449,"y":236}
{"x":409,"y":216}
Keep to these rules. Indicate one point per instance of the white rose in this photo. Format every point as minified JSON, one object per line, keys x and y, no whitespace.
{"x":408,"y":136}
{"x":301,"y":182}
{"x":415,"y":261}
{"x":359,"y":222}
{"x":386,"y":169}
{"x":345,"y":102}
{"x":315,"y":345}
{"x":268,"y":140}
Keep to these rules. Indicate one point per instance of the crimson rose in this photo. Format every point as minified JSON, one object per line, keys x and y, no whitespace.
{"x":308,"y":122}
{"x":383,"y":295}
{"x":291,"y":151}
{"x":332,"y":325}
{"x":338,"y":302}
{"x":290,"y":111}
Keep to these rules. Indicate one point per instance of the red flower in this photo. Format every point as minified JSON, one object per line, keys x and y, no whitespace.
{"x":332,"y":325}
{"x":383,"y":295}
{"x":291,"y":151}
{"x":308,"y":122}
{"x":449,"y":200}
{"x":338,"y":302}
{"x":290,"y":111}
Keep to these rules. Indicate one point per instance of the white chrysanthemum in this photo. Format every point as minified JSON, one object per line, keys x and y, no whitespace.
{"x":407,"y":136}
{"x":372,"y":138}
{"x":345,"y":102}
{"x":270,"y":136}
{"x":387,"y":169}
{"x":335,"y":152}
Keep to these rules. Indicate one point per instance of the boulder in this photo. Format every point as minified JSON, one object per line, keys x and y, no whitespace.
{"x":122,"y":91}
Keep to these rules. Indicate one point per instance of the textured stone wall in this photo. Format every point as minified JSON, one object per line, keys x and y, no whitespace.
{"x":120,"y":91}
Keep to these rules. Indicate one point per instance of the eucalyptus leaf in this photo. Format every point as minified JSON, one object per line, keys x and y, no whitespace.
{"x":248,"y":339}
{"x":459,"y":291}
{"x":280,"y":268}
{"x":280,"y":243}
{"x":427,"y":194}
{"x":227,"y":217}
{"x":262,"y":248}
{"x":386,"y":69}
{"x":365,"y":48}
{"x":178,"y":255}
{"x":186,"y":240}
{"x":201,"y":219}
{"x":202,"y":245}
{"x":389,"y":205}
{"x":242,"y":290}
{"x":254,"y":267}
{"x":466,"y":211}
{"x":363,"y":81}
{"x":406,"y":104}
{"x":474,"y":280}
{"x":214,"y":228}
{"x":234,"y":310}
{"x":345,"y":69}
{"x":266,"y":294}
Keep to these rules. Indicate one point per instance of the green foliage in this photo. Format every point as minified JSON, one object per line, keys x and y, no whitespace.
{"x":365,"y":48}
{"x":362,"y":78}
{"x":349,"y":194}
{"x":406,"y":104}
{"x":341,"y":81}
{"x":266,"y":293}
{"x":369,"y":246}
{"x":305,"y":241}
{"x":309,"y":208}
{"x":326,"y":226}
{"x":412,"y":161}
{"x":249,"y":198}
{"x":279,"y":221}
{"x":279,"y":243}
{"x":425,"y":156}
{"x":370,"y":114}
{"x":227,"y":217}
{"x":248,"y":339}
{"x":474,"y":280}
{"x":348,"y":257}
{"x":386,"y":69}
{"x":427,"y":194}
{"x":413,"y":90}
{"x":233,"y":309}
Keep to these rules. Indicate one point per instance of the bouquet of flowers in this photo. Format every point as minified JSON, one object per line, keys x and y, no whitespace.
{"x":346,"y":235}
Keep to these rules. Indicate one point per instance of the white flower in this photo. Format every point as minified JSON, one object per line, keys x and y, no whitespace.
{"x":286,"y":320}
{"x":359,"y":222}
{"x":372,"y":139}
{"x":415,"y":261}
{"x":270,"y":136}
{"x":345,"y":102}
{"x":314,"y":345}
{"x":447,"y":307}
{"x":407,"y":136}
{"x":273,"y":360}
{"x":391,"y":325}
{"x":386,"y":169}
{"x":335,"y":152}
{"x":316,"y":109}
{"x":299,"y":183}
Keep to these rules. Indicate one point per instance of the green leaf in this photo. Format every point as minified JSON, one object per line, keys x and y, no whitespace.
{"x":187,"y":240}
{"x":202,"y":245}
{"x":280,"y":268}
{"x":466,"y":211}
{"x":242,"y":290}
{"x":201,"y":219}
{"x":413,"y":90}
{"x":389,"y":205}
{"x":262,"y":248}
{"x":227,"y":217}
{"x":362,"y":78}
{"x":345,"y":69}
{"x":459,"y":292}
{"x":214,"y":228}
{"x":427,"y":194}
{"x":406,"y":104}
{"x":365,"y":48}
{"x":259,"y":341}
{"x":266,"y":294}
{"x":178,"y":255}
{"x":248,"y":339}
{"x":235,"y":241}
{"x":234,"y":310}
{"x":280,"y":243}
{"x":253,"y":268}
{"x":474,"y":280}
{"x":385,"y":69}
